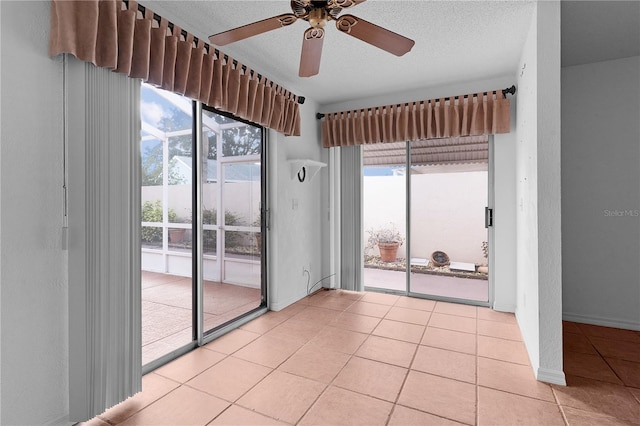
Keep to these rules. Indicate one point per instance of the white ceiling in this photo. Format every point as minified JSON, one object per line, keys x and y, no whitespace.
{"x":456,"y":41}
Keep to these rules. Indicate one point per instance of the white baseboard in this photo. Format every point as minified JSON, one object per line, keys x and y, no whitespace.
{"x":504,"y":307}
{"x":555,"y":377}
{"x":606,"y":322}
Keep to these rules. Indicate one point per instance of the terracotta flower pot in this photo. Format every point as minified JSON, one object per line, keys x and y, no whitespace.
{"x":388,"y":251}
{"x":176,"y":235}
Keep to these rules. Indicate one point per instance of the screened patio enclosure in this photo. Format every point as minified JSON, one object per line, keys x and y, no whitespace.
{"x":228,"y":253}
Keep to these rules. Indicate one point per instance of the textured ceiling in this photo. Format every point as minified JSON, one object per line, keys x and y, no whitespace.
{"x":456,"y":41}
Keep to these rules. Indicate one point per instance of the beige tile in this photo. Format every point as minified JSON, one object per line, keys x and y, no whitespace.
{"x":314,"y":362}
{"x":380,"y":298}
{"x":355,"y":322}
{"x":411,"y":333}
{"x":501,"y":330}
{"x":316,"y":315}
{"x":609,"y":333}
{"x":598,"y":397}
{"x":290,"y":310}
{"x":453,"y":322}
{"x":282,"y":396}
{"x":345,"y":294}
{"x":268,"y":351}
{"x":415,"y":303}
{"x":588,"y":418}
{"x":589,"y":366}
{"x":371,"y":378}
{"x":230,"y":378}
{"x":239,"y":416}
{"x":440,"y":396}
{"x":370,"y":309}
{"x":298,"y":331}
{"x":627,"y":371}
{"x":232,"y":341}
{"x":572,"y":342}
{"x":620,"y":349}
{"x":403,"y":416}
{"x":264,"y":323}
{"x":387,"y":350}
{"x":154,"y":387}
{"x":329,"y":302}
{"x":449,"y":339}
{"x":445,"y":363}
{"x":502,"y":408}
{"x":339,"y":340}
{"x":183,"y":406}
{"x":491,"y":315}
{"x":513,"y":378}
{"x":412,"y":316}
{"x":503,"y":350}
{"x":190,"y":365}
{"x":342,"y":407}
{"x":456,"y":309}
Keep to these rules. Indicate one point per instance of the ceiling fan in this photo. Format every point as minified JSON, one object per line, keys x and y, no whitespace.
{"x":318,"y":13}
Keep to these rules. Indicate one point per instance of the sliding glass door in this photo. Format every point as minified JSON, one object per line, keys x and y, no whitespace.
{"x":197,"y":279}
{"x":232,"y":197}
{"x":448,"y":238}
{"x":167,"y":287}
{"x":443,"y":185}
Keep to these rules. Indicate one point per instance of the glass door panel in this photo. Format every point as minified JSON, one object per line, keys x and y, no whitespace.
{"x":166,"y":170}
{"x":384,"y":216}
{"x":231,"y":198}
{"x":448,"y":199}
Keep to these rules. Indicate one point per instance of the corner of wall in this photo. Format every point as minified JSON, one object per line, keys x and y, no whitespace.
{"x":297,"y":219}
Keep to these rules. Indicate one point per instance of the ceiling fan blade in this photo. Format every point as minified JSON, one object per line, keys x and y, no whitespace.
{"x":253,"y":29}
{"x":311,"y":52}
{"x":374,"y":35}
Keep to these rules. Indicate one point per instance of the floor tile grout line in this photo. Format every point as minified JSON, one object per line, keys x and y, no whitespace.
{"x":409,"y":369}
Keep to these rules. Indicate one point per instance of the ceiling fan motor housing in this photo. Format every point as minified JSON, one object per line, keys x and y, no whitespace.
{"x":318,"y":17}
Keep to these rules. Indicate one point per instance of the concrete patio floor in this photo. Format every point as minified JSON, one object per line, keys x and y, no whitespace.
{"x":428,"y":284}
{"x":167,"y":310}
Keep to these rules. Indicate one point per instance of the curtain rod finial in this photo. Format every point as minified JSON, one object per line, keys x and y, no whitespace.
{"x":319,"y":115}
{"x":511,"y":90}
{"x":301,"y":99}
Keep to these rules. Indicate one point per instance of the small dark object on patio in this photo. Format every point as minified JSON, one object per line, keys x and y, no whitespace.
{"x":439,"y":258}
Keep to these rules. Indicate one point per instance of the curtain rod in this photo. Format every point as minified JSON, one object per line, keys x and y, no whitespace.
{"x":142,"y":9}
{"x":510,"y":90}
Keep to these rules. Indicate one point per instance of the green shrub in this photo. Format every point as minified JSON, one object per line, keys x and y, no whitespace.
{"x":233,"y":239}
{"x":152,"y":212}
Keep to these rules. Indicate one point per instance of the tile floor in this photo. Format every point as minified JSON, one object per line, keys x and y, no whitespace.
{"x":167,"y":313}
{"x":368,"y":358}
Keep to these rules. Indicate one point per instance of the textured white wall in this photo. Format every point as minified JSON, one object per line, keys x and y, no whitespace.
{"x":538,"y":219}
{"x":297,"y":214}
{"x":601,"y":193}
{"x":33,"y":265}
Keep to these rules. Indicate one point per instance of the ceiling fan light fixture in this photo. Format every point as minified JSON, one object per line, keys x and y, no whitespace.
{"x":318,"y":17}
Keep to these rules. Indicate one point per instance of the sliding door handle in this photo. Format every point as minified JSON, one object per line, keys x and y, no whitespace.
{"x":488,"y":217}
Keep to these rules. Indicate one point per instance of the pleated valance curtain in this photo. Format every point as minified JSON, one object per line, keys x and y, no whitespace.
{"x":469,"y":115}
{"x":113,"y":34}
